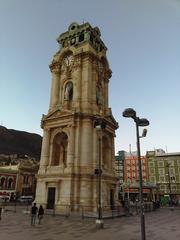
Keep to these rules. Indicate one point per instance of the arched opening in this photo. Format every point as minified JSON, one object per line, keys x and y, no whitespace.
{"x":2,"y":182}
{"x":59,"y":153}
{"x":106,"y":152}
{"x":10,"y":183}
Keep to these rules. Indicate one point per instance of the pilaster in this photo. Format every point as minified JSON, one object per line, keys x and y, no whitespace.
{"x":55,"y":69}
{"x":45,"y":150}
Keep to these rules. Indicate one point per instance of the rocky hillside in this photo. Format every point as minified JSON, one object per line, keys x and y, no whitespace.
{"x":19,"y":142}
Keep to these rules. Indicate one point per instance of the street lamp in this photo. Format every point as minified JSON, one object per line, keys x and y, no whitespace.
{"x":99,"y":124}
{"x":169,"y":182}
{"x":140,"y":122}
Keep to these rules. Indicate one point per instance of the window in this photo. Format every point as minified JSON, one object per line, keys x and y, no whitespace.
{"x":160,"y":164}
{"x":143,"y":163}
{"x":161,"y":178}
{"x":152,"y":171}
{"x":133,"y":173}
{"x":171,"y":171}
{"x":81,"y":37}
{"x":173,"y":179}
{"x":151,"y":164}
{"x":133,"y":168}
{"x":152,"y":179}
{"x":128,"y":174}
{"x":170,"y":163}
{"x":161,"y":171}
{"x":178,"y":162}
{"x":162,"y":187}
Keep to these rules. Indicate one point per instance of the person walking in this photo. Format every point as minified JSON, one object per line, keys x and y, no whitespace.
{"x":40,"y":214}
{"x":33,"y":214}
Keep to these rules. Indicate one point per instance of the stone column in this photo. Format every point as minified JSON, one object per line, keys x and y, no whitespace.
{"x":77,"y":75}
{"x":45,"y":150}
{"x":41,"y":192}
{"x":94,"y":85}
{"x":54,"y":85}
{"x":86,"y":85}
{"x":77,"y":147}
{"x":111,"y":164}
{"x":106,"y":82}
{"x":86,"y":144}
{"x":71,"y":146}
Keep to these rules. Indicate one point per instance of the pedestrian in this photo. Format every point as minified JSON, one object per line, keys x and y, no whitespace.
{"x":33,"y":214}
{"x":40,"y":213}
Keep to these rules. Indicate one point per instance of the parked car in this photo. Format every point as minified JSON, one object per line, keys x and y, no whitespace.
{"x":4,"y":198}
{"x":25,"y":199}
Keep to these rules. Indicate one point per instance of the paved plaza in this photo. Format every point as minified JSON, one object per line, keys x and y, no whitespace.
{"x":162,"y":224}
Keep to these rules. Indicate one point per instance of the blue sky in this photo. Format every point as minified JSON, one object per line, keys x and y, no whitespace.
{"x":143,"y":41}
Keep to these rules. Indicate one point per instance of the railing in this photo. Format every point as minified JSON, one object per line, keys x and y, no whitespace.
{"x":13,"y":206}
{"x":135,"y":208}
{"x":85,"y":211}
{"x":81,"y":211}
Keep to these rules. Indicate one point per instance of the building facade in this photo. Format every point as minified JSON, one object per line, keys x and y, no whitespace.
{"x":71,"y":147}
{"x":127,"y":170}
{"x":8,"y":182}
{"x":17,"y":180}
{"x":164,"y":170}
{"x":119,"y":165}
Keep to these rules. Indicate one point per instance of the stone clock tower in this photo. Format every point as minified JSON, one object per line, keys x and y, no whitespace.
{"x":70,"y":149}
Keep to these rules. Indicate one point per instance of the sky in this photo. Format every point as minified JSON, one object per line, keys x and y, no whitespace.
{"x":143,"y":41}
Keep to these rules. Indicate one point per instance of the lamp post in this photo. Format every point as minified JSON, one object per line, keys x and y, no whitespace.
{"x":140,"y":122}
{"x":99,"y":124}
{"x":169,"y":183}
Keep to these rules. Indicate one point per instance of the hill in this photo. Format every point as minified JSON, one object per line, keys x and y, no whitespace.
{"x":20,"y":142}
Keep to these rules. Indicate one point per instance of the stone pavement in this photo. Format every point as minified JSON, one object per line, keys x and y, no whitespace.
{"x":162,"y":224}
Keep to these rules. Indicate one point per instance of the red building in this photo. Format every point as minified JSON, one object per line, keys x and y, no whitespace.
{"x":8,"y":182}
{"x":131,"y":172}
{"x":131,"y":176}
{"x":17,"y":180}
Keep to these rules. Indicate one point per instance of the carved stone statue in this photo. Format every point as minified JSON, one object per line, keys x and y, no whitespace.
{"x":68,"y":93}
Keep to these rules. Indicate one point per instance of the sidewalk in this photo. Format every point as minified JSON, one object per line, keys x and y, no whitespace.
{"x":160,"y":225}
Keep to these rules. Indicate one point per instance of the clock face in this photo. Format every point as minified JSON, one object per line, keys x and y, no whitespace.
{"x":67,"y":60}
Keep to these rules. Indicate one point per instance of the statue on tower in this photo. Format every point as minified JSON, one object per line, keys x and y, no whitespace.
{"x":68,"y":93}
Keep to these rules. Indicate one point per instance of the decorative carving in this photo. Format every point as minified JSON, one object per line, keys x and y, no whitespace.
{"x":54,"y":67}
{"x":108,"y":74}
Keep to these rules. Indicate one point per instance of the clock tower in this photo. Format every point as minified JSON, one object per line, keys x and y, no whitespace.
{"x":70,"y":149}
